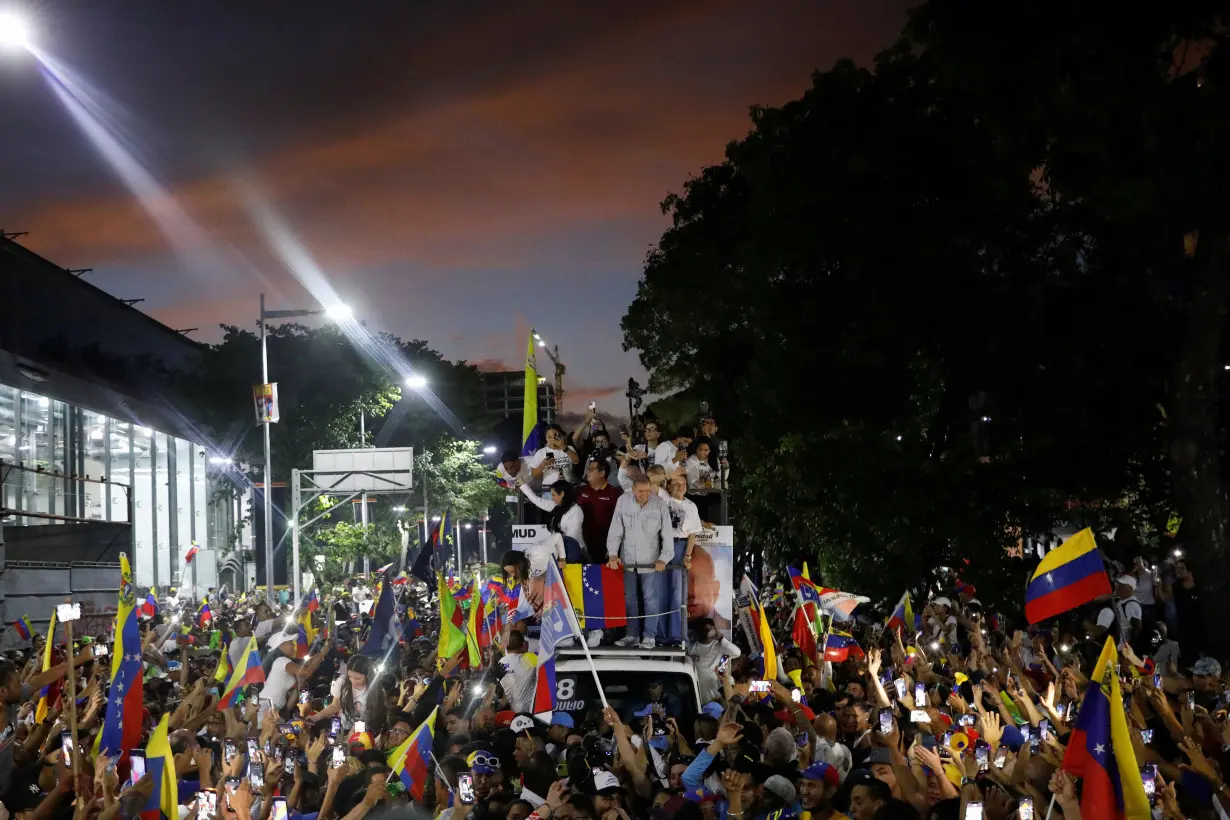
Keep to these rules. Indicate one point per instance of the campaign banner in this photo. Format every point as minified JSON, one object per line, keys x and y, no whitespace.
{"x":711,"y":581}
{"x":266,"y":398}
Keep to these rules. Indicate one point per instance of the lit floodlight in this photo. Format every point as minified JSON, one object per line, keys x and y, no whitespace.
{"x":15,"y":32}
{"x":339,"y":312}
{"x":490,"y":449}
{"x":416,"y":382}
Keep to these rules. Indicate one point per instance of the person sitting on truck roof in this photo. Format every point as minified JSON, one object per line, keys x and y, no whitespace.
{"x":640,"y":539}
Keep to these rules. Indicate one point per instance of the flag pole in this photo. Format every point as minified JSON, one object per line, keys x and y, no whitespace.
{"x":72,"y":691}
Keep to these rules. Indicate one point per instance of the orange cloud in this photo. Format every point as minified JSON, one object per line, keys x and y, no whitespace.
{"x":475,"y":180}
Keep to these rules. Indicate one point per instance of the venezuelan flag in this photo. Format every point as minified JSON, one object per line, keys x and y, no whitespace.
{"x":305,"y":635}
{"x":47,"y":694}
{"x":1100,"y":752}
{"x":246,"y":672}
{"x":160,"y":766}
{"x":600,"y":592}
{"x":24,"y":630}
{"x":311,"y":601}
{"x":531,"y":433}
{"x":840,"y":646}
{"x":204,"y":615}
{"x":150,"y":607}
{"x":121,"y":729}
{"x":411,"y":760}
{"x":1069,"y":576}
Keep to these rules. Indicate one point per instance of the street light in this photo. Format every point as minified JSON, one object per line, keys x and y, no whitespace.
{"x":416,"y":382}
{"x":338,"y":310}
{"x":490,"y":449}
{"x":399,"y":509}
{"x":221,"y":461}
{"x":15,"y":34}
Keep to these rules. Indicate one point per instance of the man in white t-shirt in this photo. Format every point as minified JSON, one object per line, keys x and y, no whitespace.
{"x":519,"y":673}
{"x":675,"y":451}
{"x":513,"y":471}
{"x":1124,"y":612}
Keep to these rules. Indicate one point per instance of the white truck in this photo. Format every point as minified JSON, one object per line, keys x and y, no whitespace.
{"x":627,"y":676}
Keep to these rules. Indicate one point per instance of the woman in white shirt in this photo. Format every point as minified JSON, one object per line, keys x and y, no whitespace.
{"x":564,"y":521}
{"x":356,"y":696}
{"x":697,"y":467}
{"x":555,"y":462}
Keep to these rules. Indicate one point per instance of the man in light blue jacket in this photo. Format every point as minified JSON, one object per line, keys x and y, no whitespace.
{"x":641,"y":539}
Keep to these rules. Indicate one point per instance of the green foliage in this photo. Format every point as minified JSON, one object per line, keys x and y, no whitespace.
{"x":324,"y":383}
{"x":456,"y":477}
{"x":922,"y":347}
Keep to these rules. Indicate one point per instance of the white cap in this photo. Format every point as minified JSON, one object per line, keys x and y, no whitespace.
{"x":942,"y":602}
{"x":279,"y":638}
{"x":1126,"y":580}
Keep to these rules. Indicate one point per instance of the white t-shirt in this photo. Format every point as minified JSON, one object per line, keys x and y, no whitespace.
{"x":1128,"y":611}
{"x":519,"y":680}
{"x":558,"y":466}
{"x":570,"y":522}
{"x":359,"y":696}
{"x":279,"y":682}
{"x":664,"y":454}
{"x":523,"y":474}
{"x":685,"y":518}
{"x":699,"y":472}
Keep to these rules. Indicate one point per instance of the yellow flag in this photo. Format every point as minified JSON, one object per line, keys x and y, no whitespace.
{"x":40,"y":712}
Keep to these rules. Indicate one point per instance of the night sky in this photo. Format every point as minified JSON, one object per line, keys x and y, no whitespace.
{"x":460,"y":171}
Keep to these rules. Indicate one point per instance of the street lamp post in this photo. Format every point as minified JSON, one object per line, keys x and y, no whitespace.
{"x":338,"y":312}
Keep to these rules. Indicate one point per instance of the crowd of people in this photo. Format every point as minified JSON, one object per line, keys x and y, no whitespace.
{"x":949,"y":710}
{"x":960,"y":716}
{"x":631,"y":510}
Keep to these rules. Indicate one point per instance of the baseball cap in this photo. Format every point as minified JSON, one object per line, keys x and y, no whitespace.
{"x":781,"y":787}
{"x":483,"y":762}
{"x":1207,"y":666}
{"x":784,"y":714}
{"x":941,"y":601}
{"x":1126,"y":580}
{"x":562,"y":719}
{"x":822,"y":772}
{"x":880,"y":756}
{"x":713,"y":709}
{"x":606,"y":784}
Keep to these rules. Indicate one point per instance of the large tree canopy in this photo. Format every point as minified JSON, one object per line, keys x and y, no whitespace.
{"x":928,"y":326}
{"x":325,"y":381}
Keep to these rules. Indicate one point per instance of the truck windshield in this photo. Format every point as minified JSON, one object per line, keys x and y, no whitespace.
{"x":629,"y":691}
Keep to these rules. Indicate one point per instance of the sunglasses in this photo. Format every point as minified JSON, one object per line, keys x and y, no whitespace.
{"x":480,"y":759}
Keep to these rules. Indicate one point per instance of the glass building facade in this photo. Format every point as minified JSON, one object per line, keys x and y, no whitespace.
{"x":158,"y":483}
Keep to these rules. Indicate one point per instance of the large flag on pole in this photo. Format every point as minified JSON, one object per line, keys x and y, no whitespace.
{"x":1100,"y":751}
{"x":530,"y":433}
{"x":121,"y":729}
{"x":559,"y":623}
{"x":1070,"y":575}
{"x":452,"y":637}
{"x":51,"y":690}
